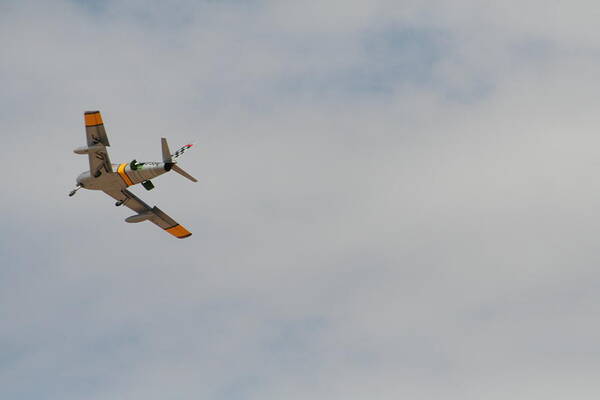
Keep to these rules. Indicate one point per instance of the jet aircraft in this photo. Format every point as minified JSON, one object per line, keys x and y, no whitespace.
{"x":114,"y":179}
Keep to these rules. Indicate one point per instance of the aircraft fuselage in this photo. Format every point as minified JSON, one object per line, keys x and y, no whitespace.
{"x":123,"y":176}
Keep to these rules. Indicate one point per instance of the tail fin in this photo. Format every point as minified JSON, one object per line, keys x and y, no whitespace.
{"x":169,"y":158}
{"x":166,"y":153}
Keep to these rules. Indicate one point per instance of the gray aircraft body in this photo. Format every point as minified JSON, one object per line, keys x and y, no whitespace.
{"x":114,"y":179}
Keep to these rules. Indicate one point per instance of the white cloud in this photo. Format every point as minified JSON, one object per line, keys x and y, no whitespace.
{"x":394,"y":200}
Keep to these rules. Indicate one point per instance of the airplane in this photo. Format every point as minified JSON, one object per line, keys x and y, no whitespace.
{"x":114,"y":179}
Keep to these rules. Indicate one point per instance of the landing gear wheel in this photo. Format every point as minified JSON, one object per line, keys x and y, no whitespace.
{"x":119,"y":203}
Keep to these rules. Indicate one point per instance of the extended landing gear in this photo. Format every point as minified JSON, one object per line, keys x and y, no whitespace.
{"x":72,"y":193}
{"x":119,"y":203}
{"x":148,"y":185}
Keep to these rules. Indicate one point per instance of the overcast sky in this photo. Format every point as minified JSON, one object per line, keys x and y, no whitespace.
{"x":396,"y":199}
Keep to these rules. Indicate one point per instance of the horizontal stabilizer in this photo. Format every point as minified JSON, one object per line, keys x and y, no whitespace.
{"x":180,"y":171}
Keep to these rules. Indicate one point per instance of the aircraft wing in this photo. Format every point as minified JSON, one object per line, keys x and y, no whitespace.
{"x":97,"y":142}
{"x":145,"y":212}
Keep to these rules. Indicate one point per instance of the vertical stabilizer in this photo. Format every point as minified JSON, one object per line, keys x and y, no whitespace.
{"x":166,"y":153}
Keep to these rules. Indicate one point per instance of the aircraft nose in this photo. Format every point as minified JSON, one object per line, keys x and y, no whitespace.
{"x":82,"y":178}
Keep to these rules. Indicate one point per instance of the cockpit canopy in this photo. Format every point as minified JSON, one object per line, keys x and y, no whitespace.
{"x":134,"y":165}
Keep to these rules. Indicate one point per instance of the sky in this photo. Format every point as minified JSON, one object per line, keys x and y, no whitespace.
{"x":395,"y":200}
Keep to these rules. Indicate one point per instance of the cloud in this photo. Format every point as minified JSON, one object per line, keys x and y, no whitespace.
{"x":394,"y":200}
